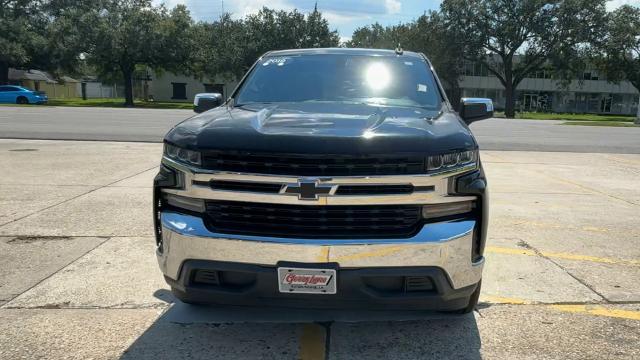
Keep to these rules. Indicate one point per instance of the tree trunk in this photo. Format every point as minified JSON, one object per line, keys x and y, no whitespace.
{"x":4,"y":73}
{"x":454,"y":95}
{"x":128,"y":87}
{"x":510,"y":101}
{"x":509,"y":88}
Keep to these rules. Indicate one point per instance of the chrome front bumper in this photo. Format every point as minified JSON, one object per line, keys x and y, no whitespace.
{"x":446,"y":245}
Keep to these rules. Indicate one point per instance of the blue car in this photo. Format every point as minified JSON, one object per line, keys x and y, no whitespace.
{"x":12,"y":94}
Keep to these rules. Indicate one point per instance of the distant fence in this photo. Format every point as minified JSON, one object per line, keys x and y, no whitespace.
{"x":100,"y":90}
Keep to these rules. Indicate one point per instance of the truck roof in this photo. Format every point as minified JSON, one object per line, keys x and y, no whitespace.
{"x":342,"y":51}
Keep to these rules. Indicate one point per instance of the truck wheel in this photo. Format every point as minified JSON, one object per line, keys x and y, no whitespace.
{"x":473,"y":301}
{"x":22,"y":100}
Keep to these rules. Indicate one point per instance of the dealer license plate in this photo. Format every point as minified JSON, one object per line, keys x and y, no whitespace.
{"x":306,"y":281}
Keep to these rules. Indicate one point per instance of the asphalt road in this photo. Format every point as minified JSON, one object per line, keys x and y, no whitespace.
{"x":149,"y":125}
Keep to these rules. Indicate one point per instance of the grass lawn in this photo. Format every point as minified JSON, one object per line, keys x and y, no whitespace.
{"x":117,"y":102}
{"x":571,"y":117}
{"x":601,"y":123}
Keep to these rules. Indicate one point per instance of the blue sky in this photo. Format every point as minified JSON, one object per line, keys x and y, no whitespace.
{"x":343,"y":15}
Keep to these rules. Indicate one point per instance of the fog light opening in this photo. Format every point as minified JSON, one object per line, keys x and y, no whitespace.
{"x":447,"y":209}
{"x":186,"y":203}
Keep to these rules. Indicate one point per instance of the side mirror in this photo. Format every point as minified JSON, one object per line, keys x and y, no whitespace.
{"x":206,"y":101}
{"x":474,"y":109}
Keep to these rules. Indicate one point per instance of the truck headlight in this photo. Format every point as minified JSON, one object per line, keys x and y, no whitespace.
{"x":183,"y":155}
{"x":452,"y":160}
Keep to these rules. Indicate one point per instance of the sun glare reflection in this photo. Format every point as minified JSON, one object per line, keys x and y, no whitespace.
{"x":377,"y":76}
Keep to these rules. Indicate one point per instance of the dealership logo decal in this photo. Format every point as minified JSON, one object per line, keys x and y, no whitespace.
{"x":293,"y":279}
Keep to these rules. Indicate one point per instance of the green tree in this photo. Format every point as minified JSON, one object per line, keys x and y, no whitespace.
{"x":65,"y":36}
{"x":619,"y":51}
{"x":317,"y":33}
{"x":230,"y":46}
{"x":130,"y":33}
{"x":22,"y":26}
{"x":376,"y":36}
{"x":514,"y":38}
{"x":42,"y":34}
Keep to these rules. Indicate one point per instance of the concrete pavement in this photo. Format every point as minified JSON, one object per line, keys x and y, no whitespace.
{"x":150,"y":125}
{"x":78,"y":277}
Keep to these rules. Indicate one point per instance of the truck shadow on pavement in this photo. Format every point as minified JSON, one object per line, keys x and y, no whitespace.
{"x":235,"y":332}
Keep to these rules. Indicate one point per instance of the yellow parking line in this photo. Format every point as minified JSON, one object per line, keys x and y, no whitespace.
{"x":623,"y":160}
{"x":312,"y":342}
{"x":560,"y":255}
{"x":591,"y":258}
{"x":599,"y":311}
{"x":324,"y":254}
{"x":510,"y":251}
{"x":502,"y":300}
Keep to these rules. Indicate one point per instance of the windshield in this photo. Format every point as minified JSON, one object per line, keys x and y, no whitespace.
{"x":379,"y":80}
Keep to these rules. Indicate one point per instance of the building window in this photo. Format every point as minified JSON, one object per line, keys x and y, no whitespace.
{"x":214,"y":88}
{"x":475,"y":69}
{"x":179,"y":91}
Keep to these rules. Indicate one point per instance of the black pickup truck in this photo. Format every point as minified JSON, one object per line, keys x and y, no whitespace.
{"x":330,"y":178}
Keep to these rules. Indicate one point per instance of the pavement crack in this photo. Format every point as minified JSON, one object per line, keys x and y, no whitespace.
{"x":8,"y":304}
{"x":28,"y":239}
{"x":528,"y":246}
{"x":66,"y":305}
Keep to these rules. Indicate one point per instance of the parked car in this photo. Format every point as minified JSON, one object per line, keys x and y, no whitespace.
{"x":331,"y":178}
{"x":12,"y":94}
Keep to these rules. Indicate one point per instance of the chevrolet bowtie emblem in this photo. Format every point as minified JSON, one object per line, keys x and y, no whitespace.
{"x":308,"y":189}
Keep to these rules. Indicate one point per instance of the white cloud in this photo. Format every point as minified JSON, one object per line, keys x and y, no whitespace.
{"x":337,"y":18}
{"x":169,"y":3}
{"x":241,"y":8}
{"x":393,"y":6}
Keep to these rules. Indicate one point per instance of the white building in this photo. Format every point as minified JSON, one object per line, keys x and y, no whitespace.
{"x":171,"y":87}
{"x":540,"y":92}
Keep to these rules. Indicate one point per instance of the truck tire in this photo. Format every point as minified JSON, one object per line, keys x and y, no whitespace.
{"x":22,"y":100}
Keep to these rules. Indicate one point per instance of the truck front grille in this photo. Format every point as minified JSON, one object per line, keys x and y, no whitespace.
{"x":313,"y":165}
{"x":311,"y":221}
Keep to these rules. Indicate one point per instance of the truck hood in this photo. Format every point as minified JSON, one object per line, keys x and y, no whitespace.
{"x":332,"y":128}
